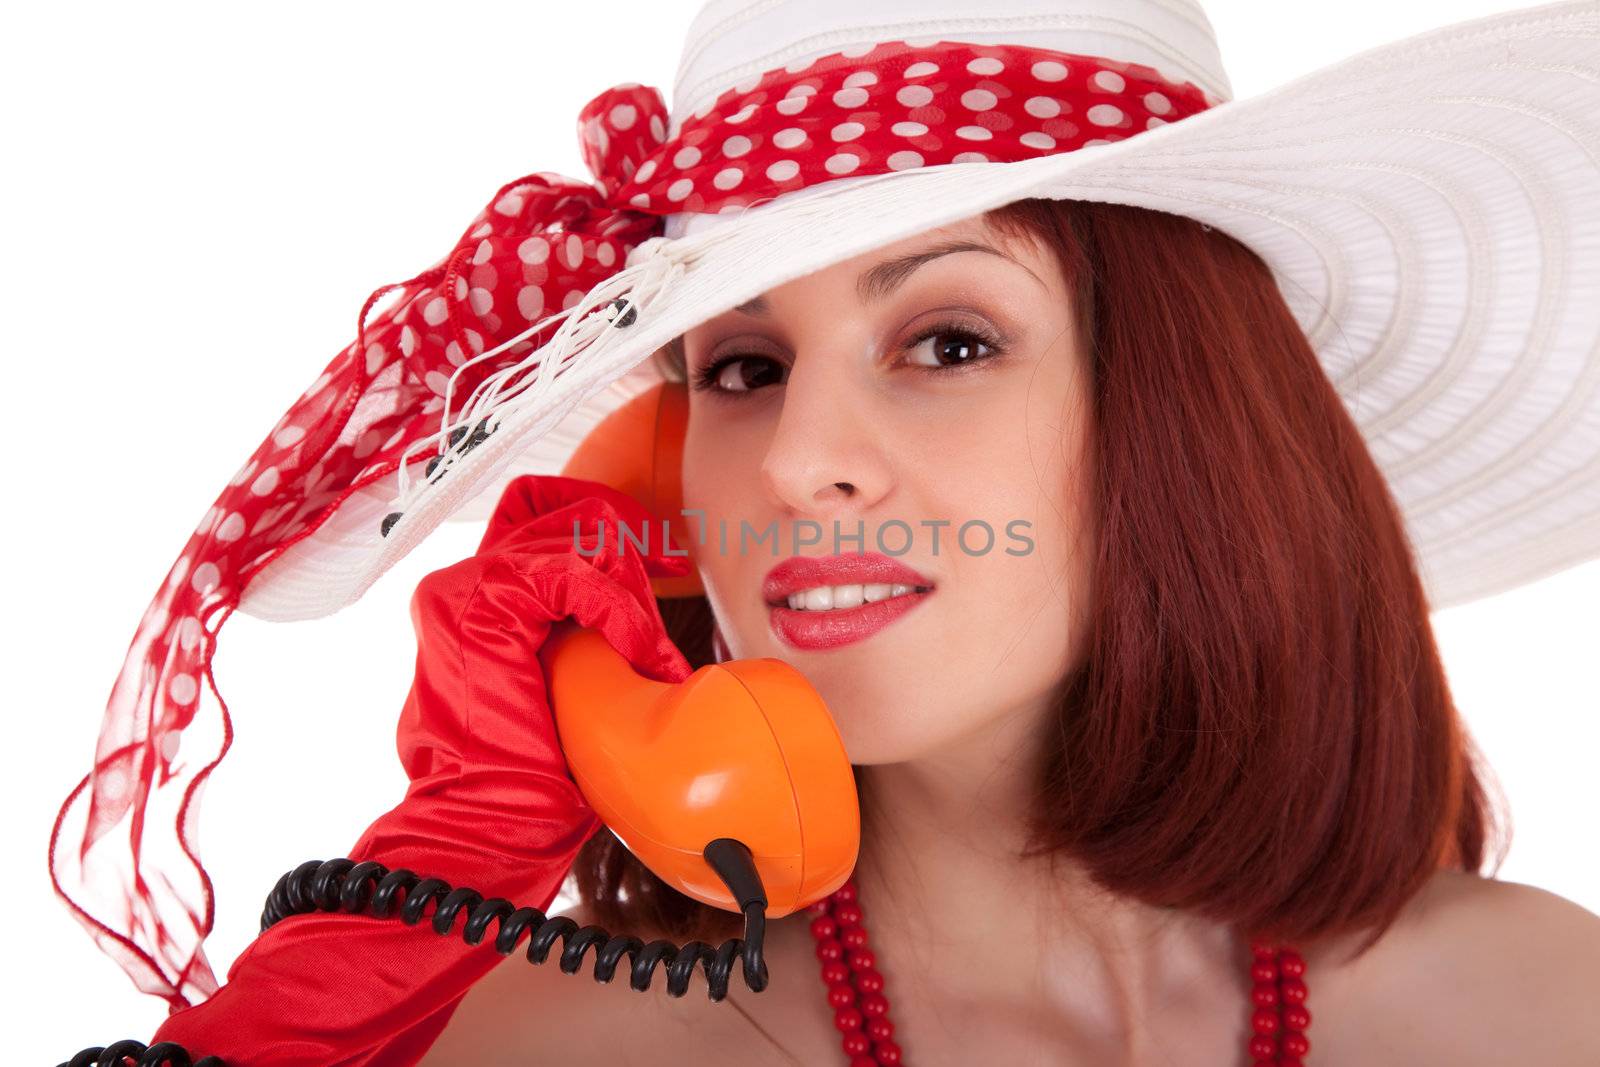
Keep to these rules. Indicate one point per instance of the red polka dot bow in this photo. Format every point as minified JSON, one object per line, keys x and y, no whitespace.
{"x":534,"y":250}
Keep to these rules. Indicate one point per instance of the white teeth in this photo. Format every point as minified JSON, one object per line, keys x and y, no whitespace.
{"x":847,"y":596}
{"x":832,"y":597}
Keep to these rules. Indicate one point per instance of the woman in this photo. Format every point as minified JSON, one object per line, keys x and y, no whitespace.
{"x":1011,"y":377}
{"x":1198,"y":707}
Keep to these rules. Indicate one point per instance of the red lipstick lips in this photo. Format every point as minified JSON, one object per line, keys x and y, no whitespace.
{"x":824,"y":629}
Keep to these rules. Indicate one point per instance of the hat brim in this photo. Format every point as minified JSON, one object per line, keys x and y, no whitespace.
{"x":1430,"y":209}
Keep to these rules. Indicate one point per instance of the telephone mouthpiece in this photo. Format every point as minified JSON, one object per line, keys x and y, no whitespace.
{"x":741,"y":755}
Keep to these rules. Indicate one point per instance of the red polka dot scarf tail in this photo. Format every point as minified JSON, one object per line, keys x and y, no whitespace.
{"x":531,"y":253}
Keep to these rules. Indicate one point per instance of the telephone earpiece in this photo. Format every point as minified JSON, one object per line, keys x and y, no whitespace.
{"x":638,"y":449}
{"x":743,"y":750}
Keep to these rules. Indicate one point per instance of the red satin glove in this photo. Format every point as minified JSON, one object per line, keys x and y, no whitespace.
{"x":491,"y":804}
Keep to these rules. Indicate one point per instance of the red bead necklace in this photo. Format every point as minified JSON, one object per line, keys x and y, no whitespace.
{"x":861,"y":1010}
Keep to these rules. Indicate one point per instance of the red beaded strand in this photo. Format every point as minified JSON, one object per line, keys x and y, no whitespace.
{"x":854,"y":984}
{"x":1281,"y":1017}
{"x":861,"y":1008}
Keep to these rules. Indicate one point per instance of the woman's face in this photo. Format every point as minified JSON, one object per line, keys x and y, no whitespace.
{"x":925,"y":385}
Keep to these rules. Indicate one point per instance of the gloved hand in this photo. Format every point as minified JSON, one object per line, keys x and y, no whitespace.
{"x":491,"y":804}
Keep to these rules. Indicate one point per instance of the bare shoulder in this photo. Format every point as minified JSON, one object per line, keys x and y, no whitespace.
{"x":520,"y":1010}
{"x":1475,"y":971}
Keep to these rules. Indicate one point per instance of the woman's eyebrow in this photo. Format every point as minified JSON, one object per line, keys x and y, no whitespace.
{"x":881,"y":279}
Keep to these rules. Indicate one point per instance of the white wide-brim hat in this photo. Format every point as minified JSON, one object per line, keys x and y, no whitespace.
{"x":1430,"y":210}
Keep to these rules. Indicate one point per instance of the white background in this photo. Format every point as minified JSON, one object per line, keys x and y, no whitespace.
{"x":199,"y":198}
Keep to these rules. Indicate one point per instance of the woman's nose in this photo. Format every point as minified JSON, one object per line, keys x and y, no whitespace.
{"x":826,"y":454}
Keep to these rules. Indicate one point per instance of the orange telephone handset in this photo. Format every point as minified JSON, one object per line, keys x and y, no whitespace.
{"x":743,"y":750}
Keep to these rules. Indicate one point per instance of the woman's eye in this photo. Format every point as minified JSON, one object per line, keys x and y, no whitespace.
{"x":949,"y":346}
{"x":740,"y":374}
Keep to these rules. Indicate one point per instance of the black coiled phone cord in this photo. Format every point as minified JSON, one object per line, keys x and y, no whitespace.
{"x":371,"y":888}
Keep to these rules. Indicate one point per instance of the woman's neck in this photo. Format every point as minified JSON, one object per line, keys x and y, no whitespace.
{"x":964,"y":923}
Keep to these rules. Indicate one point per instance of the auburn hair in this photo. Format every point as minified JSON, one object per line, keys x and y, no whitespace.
{"x":1261,"y":730}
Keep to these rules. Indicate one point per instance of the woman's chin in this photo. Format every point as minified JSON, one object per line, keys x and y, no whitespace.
{"x":879,"y":732}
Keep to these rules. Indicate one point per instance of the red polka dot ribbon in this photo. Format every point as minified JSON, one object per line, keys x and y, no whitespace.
{"x":894,"y":107}
{"x":535,"y":248}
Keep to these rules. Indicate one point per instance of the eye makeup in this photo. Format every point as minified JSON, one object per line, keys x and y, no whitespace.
{"x":745,"y":371}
